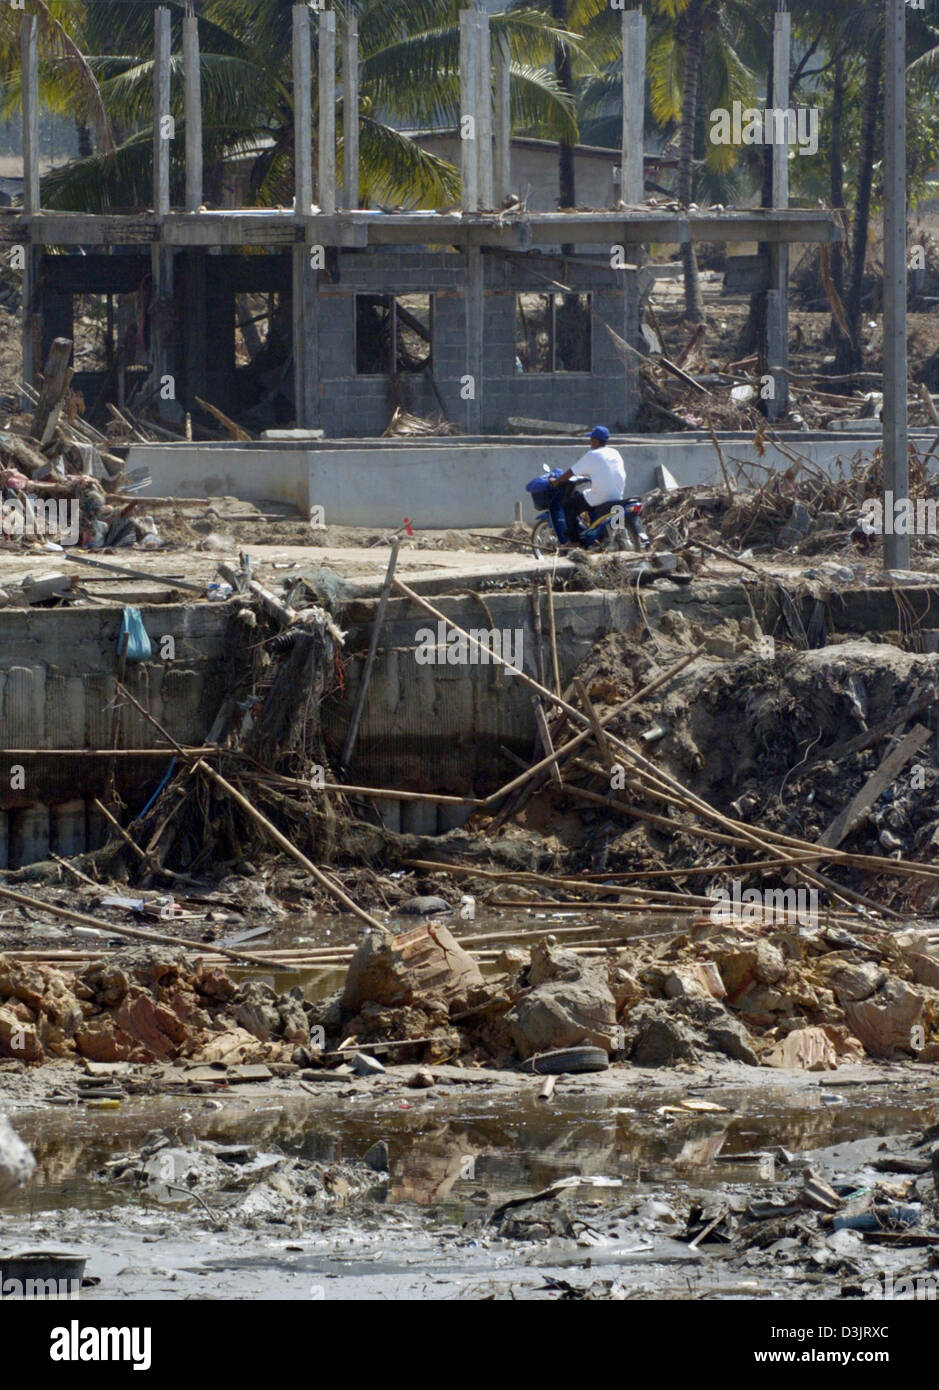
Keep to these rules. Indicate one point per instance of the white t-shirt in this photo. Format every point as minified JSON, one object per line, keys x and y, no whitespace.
{"x":607,"y":473}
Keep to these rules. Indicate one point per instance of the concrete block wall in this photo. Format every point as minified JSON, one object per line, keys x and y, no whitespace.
{"x":355,"y":406}
{"x":57,"y":671}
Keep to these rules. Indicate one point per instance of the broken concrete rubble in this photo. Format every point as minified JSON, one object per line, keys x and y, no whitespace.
{"x":396,"y":970}
{"x":143,"y":1005}
{"x":569,"y":1002}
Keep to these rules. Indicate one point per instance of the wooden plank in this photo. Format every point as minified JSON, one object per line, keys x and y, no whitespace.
{"x":859,"y":805}
{"x":55,"y":379}
{"x":603,"y":743}
{"x":230,"y":426}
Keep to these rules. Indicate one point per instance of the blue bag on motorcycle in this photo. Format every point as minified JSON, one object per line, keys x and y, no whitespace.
{"x":542,"y":493}
{"x":138,"y":643}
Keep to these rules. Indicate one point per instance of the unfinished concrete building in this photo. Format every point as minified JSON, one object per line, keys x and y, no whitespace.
{"x":474,"y":315}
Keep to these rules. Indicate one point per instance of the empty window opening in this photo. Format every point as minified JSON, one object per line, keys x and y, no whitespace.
{"x":393,"y":334}
{"x":553,"y":333}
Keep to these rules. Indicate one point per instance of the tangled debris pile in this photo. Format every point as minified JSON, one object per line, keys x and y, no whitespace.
{"x":60,"y":482}
{"x":801,"y":509}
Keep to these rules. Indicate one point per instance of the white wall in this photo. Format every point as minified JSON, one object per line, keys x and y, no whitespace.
{"x":448,"y":484}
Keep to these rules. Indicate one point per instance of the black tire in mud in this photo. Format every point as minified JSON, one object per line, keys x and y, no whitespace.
{"x":568,"y":1060}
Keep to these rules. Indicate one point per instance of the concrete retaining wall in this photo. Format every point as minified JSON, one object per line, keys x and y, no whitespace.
{"x":57,"y":670}
{"x":453,"y":483}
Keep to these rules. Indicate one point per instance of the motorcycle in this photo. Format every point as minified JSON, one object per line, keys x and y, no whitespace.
{"x":618,"y":528}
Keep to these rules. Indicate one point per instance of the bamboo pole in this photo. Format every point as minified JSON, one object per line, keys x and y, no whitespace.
{"x":553,"y":635}
{"x":135,"y":933}
{"x":362,"y":692}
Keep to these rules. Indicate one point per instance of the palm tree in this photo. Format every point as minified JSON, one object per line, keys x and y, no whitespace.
{"x":409,"y":78}
{"x":67,"y":83}
{"x":699,"y":47}
{"x":597,"y":26}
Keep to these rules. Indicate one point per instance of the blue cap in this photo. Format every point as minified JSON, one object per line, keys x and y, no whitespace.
{"x":601,"y":434}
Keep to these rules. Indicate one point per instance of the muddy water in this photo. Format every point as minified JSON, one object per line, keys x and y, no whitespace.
{"x":455,"y":1153}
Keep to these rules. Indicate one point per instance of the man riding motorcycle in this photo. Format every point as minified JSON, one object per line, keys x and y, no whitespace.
{"x":606,"y":470}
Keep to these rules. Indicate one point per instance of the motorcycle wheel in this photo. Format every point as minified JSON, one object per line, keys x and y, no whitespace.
{"x":543,"y":538}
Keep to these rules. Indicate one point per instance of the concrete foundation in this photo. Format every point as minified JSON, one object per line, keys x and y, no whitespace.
{"x":458,"y":483}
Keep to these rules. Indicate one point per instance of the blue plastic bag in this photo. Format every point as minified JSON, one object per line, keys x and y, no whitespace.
{"x":138,"y":643}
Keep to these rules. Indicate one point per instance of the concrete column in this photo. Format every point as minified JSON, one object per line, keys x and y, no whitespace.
{"x":29,"y":836}
{"x":195,"y":337}
{"x":326,"y":179}
{"x":162,"y":328}
{"x":350,"y":114}
{"x":67,"y":828}
{"x":782,"y":48}
{"x":29,"y":58}
{"x":302,"y":113}
{"x":502,"y":175}
{"x":161,"y":110}
{"x":469,"y":86}
{"x":895,"y":416}
{"x":475,"y":337}
{"x":305,"y":339}
{"x":162,"y":365}
{"x":192,"y":97}
{"x":632,"y":172}
{"x":777,"y":300}
{"x":31,"y":319}
{"x":484,"y":111}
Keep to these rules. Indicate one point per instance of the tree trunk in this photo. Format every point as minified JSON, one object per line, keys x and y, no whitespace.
{"x":836,"y":168}
{"x":694,"y":303}
{"x":564,"y":75}
{"x":83,"y":135}
{"x":849,"y":354}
